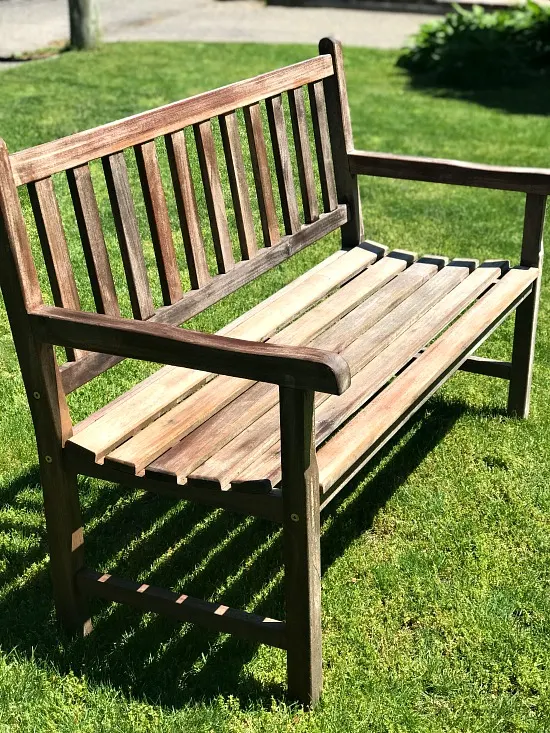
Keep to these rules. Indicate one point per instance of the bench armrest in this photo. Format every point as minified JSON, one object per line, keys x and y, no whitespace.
{"x":456,"y":172}
{"x":300,"y":367}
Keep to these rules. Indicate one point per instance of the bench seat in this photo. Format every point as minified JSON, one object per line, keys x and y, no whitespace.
{"x":377,"y":309}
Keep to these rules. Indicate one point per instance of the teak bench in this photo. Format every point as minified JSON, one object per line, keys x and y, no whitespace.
{"x":272,"y":415}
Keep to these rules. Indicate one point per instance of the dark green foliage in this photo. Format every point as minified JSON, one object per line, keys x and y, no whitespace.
{"x":476,"y":48}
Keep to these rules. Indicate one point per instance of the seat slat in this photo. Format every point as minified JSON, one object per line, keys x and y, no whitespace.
{"x":222,"y":467}
{"x":54,"y":248}
{"x":283,"y":164}
{"x":303,"y":154}
{"x":186,"y":203}
{"x":141,"y":406}
{"x":393,"y":405}
{"x":93,"y":241}
{"x":262,"y":180}
{"x":322,"y":145}
{"x":251,"y":314}
{"x":159,"y":221}
{"x":265,"y":472}
{"x":213,"y":192}
{"x":238,"y":183}
{"x":122,"y":205}
{"x":136,"y":453}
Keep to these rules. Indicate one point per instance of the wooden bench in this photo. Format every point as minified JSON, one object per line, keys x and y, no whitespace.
{"x":272,"y":415}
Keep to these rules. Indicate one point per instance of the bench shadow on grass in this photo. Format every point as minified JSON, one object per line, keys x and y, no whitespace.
{"x":530,"y":97}
{"x":155,"y":659}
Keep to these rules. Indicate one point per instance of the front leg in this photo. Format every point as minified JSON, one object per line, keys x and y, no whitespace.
{"x":301,"y":538}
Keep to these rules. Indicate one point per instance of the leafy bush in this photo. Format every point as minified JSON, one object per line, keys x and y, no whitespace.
{"x":477,"y":48}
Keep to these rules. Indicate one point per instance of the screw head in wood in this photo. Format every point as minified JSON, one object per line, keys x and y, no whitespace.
{"x":295,"y":517}
{"x":48,"y":459}
{"x":36,"y":395}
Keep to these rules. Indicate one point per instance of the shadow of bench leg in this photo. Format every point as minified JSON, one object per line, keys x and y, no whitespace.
{"x":301,"y":539}
{"x":526,"y":313}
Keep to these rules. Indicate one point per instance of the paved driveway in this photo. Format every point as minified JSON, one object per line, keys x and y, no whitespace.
{"x":26,"y":25}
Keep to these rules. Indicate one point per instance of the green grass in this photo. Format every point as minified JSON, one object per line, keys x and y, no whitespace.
{"x":436,"y":602}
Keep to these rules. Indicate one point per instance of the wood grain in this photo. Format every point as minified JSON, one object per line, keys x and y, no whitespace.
{"x":392,"y":406}
{"x":523,"y":350}
{"x":93,"y":241}
{"x":159,"y":221}
{"x":322,"y":145}
{"x":239,"y":185}
{"x":341,"y":141}
{"x":68,"y":152}
{"x":213,"y":192}
{"x":122,"y":205}
{"x":303,"y":154}
{"x":455,"y":172}
{"x":183,"y":607}
{"x":186,"y":202}
{"x":262,"y":179}
{"x":54,"y":248}
{"x":301,"y":545}
{"x":283,"y":164}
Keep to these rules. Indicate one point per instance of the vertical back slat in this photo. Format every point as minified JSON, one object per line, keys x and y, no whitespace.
{"x":283,"y":165}
{"x":159,"y":221}
{"x":213,"y":192}
{"x":54,"y":247}
{"x":262,"y":180}
{"x":122,"y":205}
{"x":322,"y":145}
{"x":303,"y":154}
{"x":240,"y":194}
{"x":187,"y":209}
{"x":93,"y":242}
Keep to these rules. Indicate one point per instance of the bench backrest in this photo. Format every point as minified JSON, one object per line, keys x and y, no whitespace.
{"x":180,"y":131}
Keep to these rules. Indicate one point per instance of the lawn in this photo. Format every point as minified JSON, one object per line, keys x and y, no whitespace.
{"x":436,"y":597}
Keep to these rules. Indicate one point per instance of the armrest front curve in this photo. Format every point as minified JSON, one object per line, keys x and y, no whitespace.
{"x":300,"y":367}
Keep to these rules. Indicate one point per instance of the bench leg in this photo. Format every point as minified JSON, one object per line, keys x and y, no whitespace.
{"x":302,"y":552}
{"x":65,"y":540}
{"x":523,"y":350}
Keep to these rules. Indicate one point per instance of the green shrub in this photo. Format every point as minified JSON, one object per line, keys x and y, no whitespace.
{"x":477,"y":48}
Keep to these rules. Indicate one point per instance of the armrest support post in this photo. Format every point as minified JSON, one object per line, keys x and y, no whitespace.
{"x":301,"y":544}
{"x":523,"y":351}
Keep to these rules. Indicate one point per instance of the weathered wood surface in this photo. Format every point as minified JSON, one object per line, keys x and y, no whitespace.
{"x":109,"y":427}
{"x":50,"y":414}
{"x":523,"y":350}
{"x":239,"y":185}
{"x":213,"y":193}
{"x":93,"y":241}
{"x":322,"y":145}
{"x":54,"y":248}
{"x":301,"y":545}
{"x":455,"y":172}
{"x":303,"y":154}
{"x":155,"y":439}
{"x":68,"y":152}
{"x":300,"y":366}
{"x":122,"y":205}
{"x":183,"y":607}
{"x":184,"y":191}
{"x":262,"y":179}
{"x":283,"y":164}
{"x":341,"y":141}
{"x":392,"y":406}
{"x":80,"y":372}
{"x":159,"y":221}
